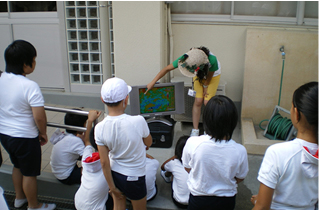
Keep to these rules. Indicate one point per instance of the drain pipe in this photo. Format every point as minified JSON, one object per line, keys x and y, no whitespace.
{"x":169,"y":28}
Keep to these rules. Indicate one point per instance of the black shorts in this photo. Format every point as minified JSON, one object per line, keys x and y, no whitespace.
{"x":75,"y":176}
{"x":211,"y":202}
{"x":25,"y":153}
{"x":133,"y":190}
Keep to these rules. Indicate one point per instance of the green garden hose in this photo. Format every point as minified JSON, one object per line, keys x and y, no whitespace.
{"x":278,"y":127}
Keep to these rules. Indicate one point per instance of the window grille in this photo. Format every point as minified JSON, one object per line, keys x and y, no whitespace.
{"x":84,"y":42}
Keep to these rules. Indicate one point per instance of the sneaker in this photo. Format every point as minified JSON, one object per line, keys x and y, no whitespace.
{"x":166,"y":179}
{"x":45,"y":206}
{"x":18,"y":203}
{"x":194,"y":132}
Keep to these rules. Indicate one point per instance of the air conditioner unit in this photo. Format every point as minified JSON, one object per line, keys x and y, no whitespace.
{"x":189,"y":101}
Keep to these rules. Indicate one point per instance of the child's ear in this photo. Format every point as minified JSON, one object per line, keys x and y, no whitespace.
{"x":296,"y":114}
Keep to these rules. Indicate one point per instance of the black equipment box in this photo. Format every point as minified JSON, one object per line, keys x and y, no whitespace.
{"x":162,"y":131}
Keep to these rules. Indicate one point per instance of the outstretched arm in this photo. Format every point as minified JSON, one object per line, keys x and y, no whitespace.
{"x":262,"y":201}
{"x":161,"y":74}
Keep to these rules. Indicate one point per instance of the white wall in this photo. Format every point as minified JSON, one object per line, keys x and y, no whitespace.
{"x":139,"y":40}
{"x":45,"y":38}
{"x":6,"y":39}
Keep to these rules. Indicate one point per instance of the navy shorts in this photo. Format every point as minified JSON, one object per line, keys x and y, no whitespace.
{"x":133,"y":189}
{"x":75,"y":176}
{"x":211,"y":203}
{"x":25,"y":153}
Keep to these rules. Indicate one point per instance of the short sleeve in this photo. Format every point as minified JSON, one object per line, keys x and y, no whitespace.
{"x":169,"y":166}
{"x":35,"y":97}
{"x":145,"y":128}
{"x":213,"y":62}
{"x":97,"y":135}
{"x":243,"y":168}
{"x":187,"y":151}
{"x":268,"y":172}
{"x":175,"y":63}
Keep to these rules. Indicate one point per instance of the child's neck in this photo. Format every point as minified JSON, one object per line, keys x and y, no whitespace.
{"x":309,"y":137}
{"x":116,"y":111}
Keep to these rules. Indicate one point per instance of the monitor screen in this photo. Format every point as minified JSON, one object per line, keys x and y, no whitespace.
{"x":162,"y":99}
{"x":158,"y":99}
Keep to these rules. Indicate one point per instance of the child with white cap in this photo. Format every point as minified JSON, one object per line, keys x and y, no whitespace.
{"x":203,"y":66}
{"x":121,"y":141}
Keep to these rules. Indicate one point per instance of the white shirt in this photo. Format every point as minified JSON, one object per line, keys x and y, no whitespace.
{"x":214,"y":166}
{"x":123,"y":135}
{"x":150,"y":177}
{"x":180,"y":177}
{"x":93,"y":192}
{"x":67,"y":148}
{"x":293,"y":173}
{"x":18,"y":94}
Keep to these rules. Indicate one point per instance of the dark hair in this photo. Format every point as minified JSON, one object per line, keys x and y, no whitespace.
{"x":113,"y":104}
{"x":305,"y":99}
{"x":17,"y":54}
{"x":74,"y":120}
{"x":201,"y":75}
{"x":92,"y":139}
{"x":220,"y":117}
{"x":180,"y":146}
{"x":205,"y":49}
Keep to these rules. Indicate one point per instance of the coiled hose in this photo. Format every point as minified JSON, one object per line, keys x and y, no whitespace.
{"x":278,"y":126}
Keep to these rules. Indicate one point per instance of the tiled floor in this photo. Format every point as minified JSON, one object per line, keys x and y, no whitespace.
{"x":55,"y":117}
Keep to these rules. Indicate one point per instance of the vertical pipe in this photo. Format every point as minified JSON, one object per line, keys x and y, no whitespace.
{"x":169,"y":27}
{"x":300,"y":12}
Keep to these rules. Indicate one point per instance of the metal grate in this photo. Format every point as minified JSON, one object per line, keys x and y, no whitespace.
{"x":61,"y":204}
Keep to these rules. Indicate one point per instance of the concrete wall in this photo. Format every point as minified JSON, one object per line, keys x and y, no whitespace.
{"x":263,"y":68}
{"x":226,"y":42}
{"x":140,"y":40}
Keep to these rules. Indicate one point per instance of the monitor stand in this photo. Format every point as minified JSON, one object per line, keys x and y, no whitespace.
{"x":160,"y":120}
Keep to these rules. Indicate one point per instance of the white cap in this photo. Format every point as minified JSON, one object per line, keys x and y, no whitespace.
{"x":114,"y":90}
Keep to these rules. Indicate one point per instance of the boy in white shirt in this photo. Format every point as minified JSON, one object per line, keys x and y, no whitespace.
{"x":121,"y":141}
{"x":67,"y":149}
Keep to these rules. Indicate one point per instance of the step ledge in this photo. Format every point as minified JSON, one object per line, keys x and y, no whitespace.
{"x":44,"y":176}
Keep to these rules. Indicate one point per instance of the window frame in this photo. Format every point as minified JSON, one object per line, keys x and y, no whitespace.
{"x":299,"y":20}
{"x":27,"y":15}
